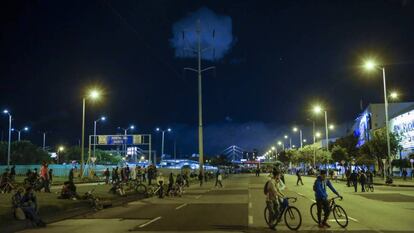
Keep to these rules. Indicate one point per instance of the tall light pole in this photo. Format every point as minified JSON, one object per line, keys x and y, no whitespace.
{"x":295,"y":129}
{"x":199,"y":71}
{"x":44,"y":141}
{"x":281,"y":144}
{"x":93,"y":95}
{"x":290,"y":141}
{"x":19,"y":131}
{"x":10,"y":129}
{"x":162,"y":138}
{"x":94,"y":132}
{"x":318,"y":109}
{"x":131,"y":127}
{"x":370,"y":65}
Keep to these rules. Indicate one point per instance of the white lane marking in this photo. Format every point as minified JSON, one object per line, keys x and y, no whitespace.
{"x":149,"y":222}
{"x":250,"y":220}
{"x":181,"y":206}
{"x":300,"y":194}
{"x":250,"y":205}
{"x":312,"y":200}
{"x":197,"y":197}
{"x":353,"y":219}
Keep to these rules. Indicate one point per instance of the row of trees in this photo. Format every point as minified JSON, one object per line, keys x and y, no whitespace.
{"x":345,"y":149}
{"x":25,"y":152}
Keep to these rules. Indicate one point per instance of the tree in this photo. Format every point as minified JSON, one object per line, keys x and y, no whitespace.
{"x":349,"y":143}
{"x":377,"y":146}
{"x":339,"y":153}
{"x":104,"y":157}
{"x":220,"y":160}
{"x":23,"y":152}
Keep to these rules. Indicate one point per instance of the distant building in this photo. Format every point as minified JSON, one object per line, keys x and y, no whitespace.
{"x":403,"y":125}
{"x":373,"y":117}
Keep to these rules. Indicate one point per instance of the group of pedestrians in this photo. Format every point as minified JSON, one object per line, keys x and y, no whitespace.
{"x":362,"y":177}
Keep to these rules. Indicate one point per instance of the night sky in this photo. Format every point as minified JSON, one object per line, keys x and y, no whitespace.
{"x":282,"y":57}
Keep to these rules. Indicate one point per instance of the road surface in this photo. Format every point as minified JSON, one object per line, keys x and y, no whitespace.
{"x":238,"y":207}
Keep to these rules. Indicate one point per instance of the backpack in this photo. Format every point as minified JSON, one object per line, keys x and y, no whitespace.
{"x":265,"y":191}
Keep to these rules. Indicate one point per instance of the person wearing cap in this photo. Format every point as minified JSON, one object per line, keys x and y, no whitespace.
{"x":321,"y":197}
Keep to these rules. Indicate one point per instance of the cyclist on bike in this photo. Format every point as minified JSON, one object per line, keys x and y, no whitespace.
{"x":274,"y":194}
{"x":322,"y":197}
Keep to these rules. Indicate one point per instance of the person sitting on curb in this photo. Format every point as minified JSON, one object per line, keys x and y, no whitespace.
{"x":68,"y":191}
{"x":27,"y":202}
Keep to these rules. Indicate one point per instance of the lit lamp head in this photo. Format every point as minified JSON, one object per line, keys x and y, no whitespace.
{"x":5,"y":111}
{"x":369,"y":65}
{"x":103,"y":118}
{"x":394,"y":95}
{"x":331,"y":127}
{"x":26,"y":128}
{"x":317,"y":109}
{"x":132,"y":127}
{"x":318,"y":134}
{"x":169,"y":129}
{"x":279,"y":143}
{"x":304,"y":140}
{"x":273,"y":148}
{"x":157,"y":129}
{"x":61,"y":148}
{"x":286,"y":137}
{"x":94,"y":94}
{"x":295,"y":129}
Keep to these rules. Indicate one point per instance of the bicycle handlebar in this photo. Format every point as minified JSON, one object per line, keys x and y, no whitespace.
{"x":294,"y":199}
{"x":337,"y":197}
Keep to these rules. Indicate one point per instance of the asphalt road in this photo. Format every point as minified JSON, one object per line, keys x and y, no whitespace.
{"x":238,"y":207}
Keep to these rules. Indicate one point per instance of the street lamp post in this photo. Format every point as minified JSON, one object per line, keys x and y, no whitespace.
{"x":162,"y":138}
{"x":131,"y":127}
{"x":10,"y":129}
{"x":290,"y":141}
{"x":370,"y":65}
{"x":94,"y":132}
{"x":295,"y":129}
{"x":93,"y":94}
{"x":19,"y":131}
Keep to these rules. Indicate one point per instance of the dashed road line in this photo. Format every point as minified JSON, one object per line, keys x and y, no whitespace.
{"x":197,"y":197}
{"x":250,"y":220}
{"x":151,"y":221}
{"x":353,"y":219}
{"x":250,"y":205}
{"x":181,"y":206}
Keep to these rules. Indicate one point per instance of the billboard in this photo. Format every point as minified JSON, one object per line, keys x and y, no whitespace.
{"x":119,"y":139}
{"x":362,"y":129}
{"x":403,"y":125}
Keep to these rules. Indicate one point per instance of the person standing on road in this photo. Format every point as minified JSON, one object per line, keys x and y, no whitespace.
{"x":13,"y":173}
{"x":273,"y":195}
{"x":160,"y":182}
{"x":170,"y":183}
{"x":363,"y":180}
{"x":51,"y":176}
{"x":219,"y":179}
{"x":71,"y":175}
{"x":321,"y":197}
{"x":299,"y":176}
{"x":44,"y":174}
{"x":200,"y":178}
{"x":354,"y":179}
{"x":404,"y":174}
{"x":106,"y":174}
{"x":348,"y":177}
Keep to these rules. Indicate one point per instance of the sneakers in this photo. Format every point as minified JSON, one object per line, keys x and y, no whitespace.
{"x":326,"y":224}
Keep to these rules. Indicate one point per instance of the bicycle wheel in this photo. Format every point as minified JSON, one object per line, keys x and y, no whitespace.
{"x":141,"y":189}
{"x":293,"y":218}
{"x":151,"y":191}
{"x":371,"y":188}
{"x":340,"y":216}
{"x":270,"y":220}
{"x":314,"y":212}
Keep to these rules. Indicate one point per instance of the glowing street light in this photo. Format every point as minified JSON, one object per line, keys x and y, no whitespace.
{"x":92,"y":94}
{"x":318,"y":134}
{"x":24,"y":129}
{"x":273,"y":148}
{"x":290,"y":141}
{"x":59,"y":151}
{"x":318,"y":109}
{"x":295,"y":129}
{"x":371,"y":65}
{"x":394,"y":95}
{"x":331,"y":127}
{"x":10,"y":129}
{"x":281,"y":144}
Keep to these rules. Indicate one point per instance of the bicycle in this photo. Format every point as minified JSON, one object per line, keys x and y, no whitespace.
{"x":7,"y":187}
{"x":153,"y":190}
{"x":94,"y":201}
{"x":138,"y":186}
{"x":292,"y":216}
{"x":369,"y":187}
{"x":338,"y":212}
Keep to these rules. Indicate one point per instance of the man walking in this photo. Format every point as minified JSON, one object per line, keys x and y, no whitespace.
{"x":354,"y":179}
{"x":363,"y":180}
{"x":299,"y":176}
{"x":321,"y":197}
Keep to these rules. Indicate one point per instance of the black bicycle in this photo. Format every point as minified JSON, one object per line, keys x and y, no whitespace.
{"x":291,"y":214}
{"x":369,"y":187}
{"x":94,"y":201}
{"x":338,"y":212}
{"x":138,"y":186}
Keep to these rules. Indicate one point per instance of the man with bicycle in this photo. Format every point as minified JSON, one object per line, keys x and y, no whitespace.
{"x":322,"y":197}
{"x":274,"y":194}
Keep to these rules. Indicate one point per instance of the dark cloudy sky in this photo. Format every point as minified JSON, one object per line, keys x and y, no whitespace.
{"x":281,"y":57}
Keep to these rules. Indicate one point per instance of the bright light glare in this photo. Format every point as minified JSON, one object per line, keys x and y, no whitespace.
{"x":317,"y":109}
{"x":94,"y":94}
{"x":286,"y":136}
{"x":61,"y":148}
{"x":279,"y":143}
{"x":169,"y":129}
{"x":5,"y":111}
{"x":318,"y":134}
{"x":293,"y":146}
{"x":304,"y":140}
{"x":394,"y":95}
{"x":331,"y":127}
{"x":26,"y":128}
{"x":157,"y":129}
{"x":103,"y":118}
{"x":295,"y":129}
{"x":132,"y":127}
{"x":273,"y":148}
{"x":369,"y":65}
